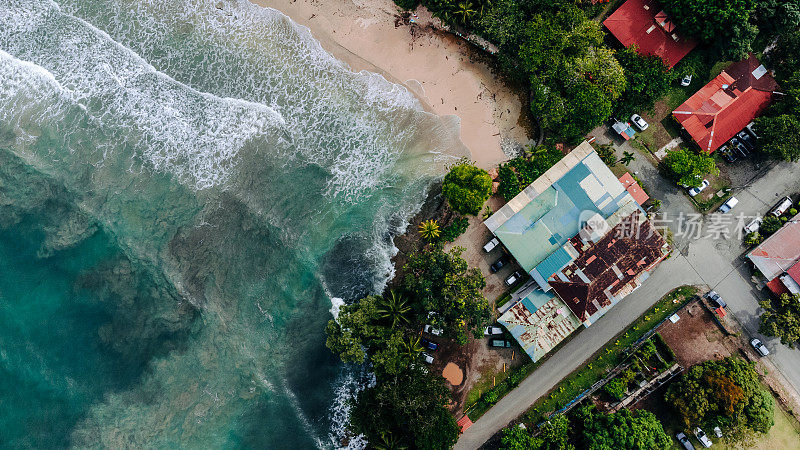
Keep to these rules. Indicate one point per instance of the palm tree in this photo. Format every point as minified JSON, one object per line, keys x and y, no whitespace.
{"x":465,"y":11}
{"x":394,"y":308}
{"x":627,"y":158}
{"x":389,"y":442}
{"x":412,"y":348}
{"x":429,"y":230}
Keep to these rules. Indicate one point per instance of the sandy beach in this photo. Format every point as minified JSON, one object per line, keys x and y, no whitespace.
{"x":436,"y":66}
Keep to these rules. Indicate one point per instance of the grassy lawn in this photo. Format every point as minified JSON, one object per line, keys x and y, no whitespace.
{"x":608,"y":357}
{"x":783,"y":435}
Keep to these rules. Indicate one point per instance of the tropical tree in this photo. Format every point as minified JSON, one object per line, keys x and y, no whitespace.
{"x":394,"y":308}
{"x":769,"y":225}
{"x":443,"y":282}
{"x":688,"y":168}
{"x":722,"y":21}
{"x":725,"y":392}
{"x":389,"y":442}
{"x":622,"y":430}
{"x":781,"y":318}
{"x":412,"y":348}
{"x":779,"y":136}
{"x":429,"y":230}
{"x":648,"y":79}
{"x":466,"y":188}
{"x":465,"y":12}
{"x":627,"y":158}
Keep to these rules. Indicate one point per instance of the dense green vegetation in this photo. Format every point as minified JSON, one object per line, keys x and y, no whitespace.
{"x":781,"y":318}
{"x":687,"y":167}
{"x":725,"y":393}
{"x":521,"y":171}
{"x":589,"y":429}
{"x":466,"y":188}
{"x":407,"y":405}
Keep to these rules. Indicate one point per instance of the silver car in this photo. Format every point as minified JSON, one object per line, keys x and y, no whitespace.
{"x":759,"y":346}
{"x":639,"y":122}
{"x":684,"y":441}
{"x":701,"y":436}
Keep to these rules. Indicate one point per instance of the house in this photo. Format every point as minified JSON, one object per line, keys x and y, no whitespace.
{"x":725,"y":105}
{"x":608,"y":264}
{"x":643,"y":24}
{"x":535,"y":224}
{"x":777,"y":258}
{"x":584,"y":240}
{"x":539,"y":322}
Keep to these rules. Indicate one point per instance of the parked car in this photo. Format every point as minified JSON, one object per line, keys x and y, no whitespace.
{"x":746,"y":139}
{"x":759,"y":346}
{"x":740,"y":149}
{"x":687,"y":80}
{"x":726,"y":153}
{"x":502,"y":343}
{"x":639,"y":122}
{"x":750,"y":130}
{"x":701,"y":436}
{"x":430,"y":330}
{"x":753,"y":225}
{"x":513,"y":278}
{"x":716,"y":299}
{"x":430,"y":345}
{"x":500,"y":263}
{"x":728,"y":205}
{"x":696,"y":190}
{"x":781,"y":207}
{"x":428,"y":358}
{"x":491,"y":245}
{"x":684,"y":441}
{"x":492,"y":331}
{"x":717,"y":432}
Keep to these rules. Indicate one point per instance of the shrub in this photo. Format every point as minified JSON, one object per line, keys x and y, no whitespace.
{"x":616,"y":388}
{"x":454,"y":230}
{"x":606,"y":153}
{"x":792,"y":212}
{"x":466,"y":188}
{"x":770,"y":225}
{"x":753,"y":238}
{"x":509,"y":182}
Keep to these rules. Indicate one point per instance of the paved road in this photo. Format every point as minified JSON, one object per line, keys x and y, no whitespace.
{"x":700,"y":259}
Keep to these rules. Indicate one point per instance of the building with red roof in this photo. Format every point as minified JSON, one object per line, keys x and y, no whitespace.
{"x":633,"y":188}
{"x":609,"y":264}
{"x":725,"y":105}
{"x":777,"y":258}
{"x":644,"y":24}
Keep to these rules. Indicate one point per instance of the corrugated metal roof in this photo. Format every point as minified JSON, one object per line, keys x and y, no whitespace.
{"x":539,"y":322}
{"x":778,"y":252}
{"x":644,"y":24}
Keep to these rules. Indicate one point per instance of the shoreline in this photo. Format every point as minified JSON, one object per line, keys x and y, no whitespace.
{"x":441,"y":70}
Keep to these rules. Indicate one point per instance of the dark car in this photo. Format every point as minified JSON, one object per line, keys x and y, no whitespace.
{"x":500,"y":263}
{"x":430,"y":345}
{"x":726,"y":153}
{"x":740,"y":149}
{"x":684,"y":441}
{"x":747,"y":140}
{"x":503,"y":343}
{"x":714,"y":297}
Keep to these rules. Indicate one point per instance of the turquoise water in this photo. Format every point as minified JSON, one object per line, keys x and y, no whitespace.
{"x":186,"y":188}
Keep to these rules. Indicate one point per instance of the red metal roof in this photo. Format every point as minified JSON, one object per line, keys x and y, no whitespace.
{"x":777,"y":287}
{"x":609,"y":269}
{"x":779,"y":252}
{"x":644,"y":24}
{"x":794,"y":272}
{"x":725,"y":105}
{"x":633,"y":188}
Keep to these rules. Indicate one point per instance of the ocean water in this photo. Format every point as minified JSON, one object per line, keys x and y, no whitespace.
{"x":187,"y":191}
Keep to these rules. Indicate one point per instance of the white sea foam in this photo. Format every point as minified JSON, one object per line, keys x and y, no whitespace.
{"x":336,"y":306}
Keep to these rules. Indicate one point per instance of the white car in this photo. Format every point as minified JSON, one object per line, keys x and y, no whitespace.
{"x":696,"y":190}
{"x":687,"y":80}
{"x":759,"y":346}
{"x":717,"y":432}
{"x":491,"y":245}
{"x":728,"y":205}
{"x":753,"y":226}
{"x":701,"y":436}
{"x":639,"y":122}
{"x":431,"y":330}
{"x":492,"y":331}
{"x":428,"y":358}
